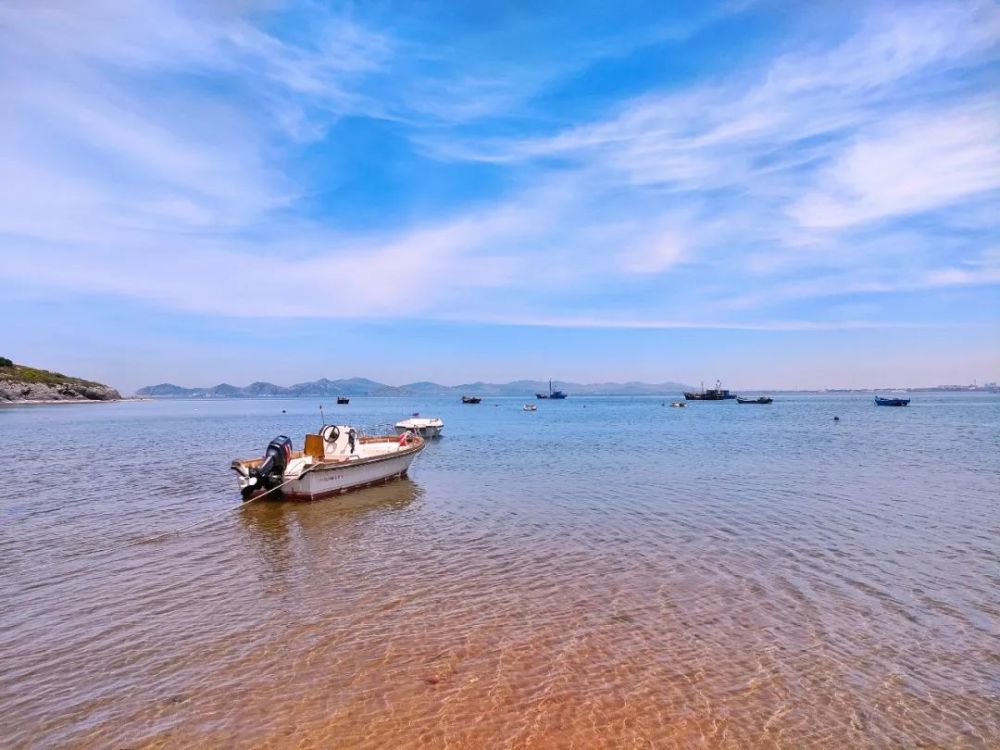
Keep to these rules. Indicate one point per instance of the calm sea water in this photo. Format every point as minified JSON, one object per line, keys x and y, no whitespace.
{"x":600,"y":573}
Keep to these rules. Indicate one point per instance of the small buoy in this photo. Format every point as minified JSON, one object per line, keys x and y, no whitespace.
{"x":432,"y":679}
{"x":836,"y":419}
{"x":282,"y":411}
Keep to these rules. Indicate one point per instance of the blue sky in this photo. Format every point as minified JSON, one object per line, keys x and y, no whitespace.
{"x":777,"y":194}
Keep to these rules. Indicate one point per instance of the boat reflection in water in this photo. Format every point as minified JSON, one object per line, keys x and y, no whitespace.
{"x":280,"y":533}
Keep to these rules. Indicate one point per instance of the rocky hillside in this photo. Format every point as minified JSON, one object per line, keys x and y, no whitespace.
{"x":21,"y":383}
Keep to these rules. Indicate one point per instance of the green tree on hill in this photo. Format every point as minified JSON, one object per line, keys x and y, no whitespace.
{"x":4,"y":362}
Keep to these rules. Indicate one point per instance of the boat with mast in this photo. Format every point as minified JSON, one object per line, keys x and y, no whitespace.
{"x":712,"y":394}
{"x":551,"y":394}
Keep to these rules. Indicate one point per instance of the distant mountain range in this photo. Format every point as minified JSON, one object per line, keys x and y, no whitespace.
{"x":366,"y":387}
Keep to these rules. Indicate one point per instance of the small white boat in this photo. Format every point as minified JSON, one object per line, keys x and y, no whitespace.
{"x":334,"y":460}
{"x":678,"y":404}
{"x":529,"y":407}
{"x":428,"y":427}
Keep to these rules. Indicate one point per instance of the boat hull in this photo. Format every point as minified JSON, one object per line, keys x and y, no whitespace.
{"x":424,"y":432}
{"x":891,"y":401}
{"x":335,"y":479}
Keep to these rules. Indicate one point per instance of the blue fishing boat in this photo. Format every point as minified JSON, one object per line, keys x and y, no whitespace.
{"x":761,"y":400}
{"x":882,"y":401}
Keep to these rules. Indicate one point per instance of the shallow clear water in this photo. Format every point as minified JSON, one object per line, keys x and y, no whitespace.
{"x":602,"y":572}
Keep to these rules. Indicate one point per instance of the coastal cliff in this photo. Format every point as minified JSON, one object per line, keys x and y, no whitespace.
{"x":20,"y":383}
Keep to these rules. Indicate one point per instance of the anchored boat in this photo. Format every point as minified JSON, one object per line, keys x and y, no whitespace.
{"x":471,"y":399}
{"x":428,"y":427}
{"x":883,"y":401}
{"x":334,"y":460}
{"x":761,"y":400}
{"x":712,"y":394}
{"x":341,"y":400}
{"x":551,"y":394}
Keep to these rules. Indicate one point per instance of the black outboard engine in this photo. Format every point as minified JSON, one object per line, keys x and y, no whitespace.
{"x":268,"y":474}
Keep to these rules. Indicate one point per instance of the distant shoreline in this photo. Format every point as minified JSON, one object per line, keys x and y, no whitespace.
{"x":40,"y":402}
{"x":527,"y":396}
{"x":359,"y":387}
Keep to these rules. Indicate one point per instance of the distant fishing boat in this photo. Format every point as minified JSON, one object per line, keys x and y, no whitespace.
{"x":334,"y":460}
{"x":471,"y":399}
{"x":529,"y":407}
{"x":427,"y":427}
{"x":712,"y":394}
{"x":551,"y":394}
{"x":343,"y":400}
{"x":760,"y":400}
{"x":882,"y":401}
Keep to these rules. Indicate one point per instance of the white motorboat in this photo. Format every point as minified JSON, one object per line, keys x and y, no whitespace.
{"x":334,"y":460}
{"x":678,"y":404}
{"x":529,"y":407}
{"x":428,"y":427}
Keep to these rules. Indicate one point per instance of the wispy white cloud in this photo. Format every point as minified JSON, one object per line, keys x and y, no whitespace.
{"x":911,"y":163}
{"x":151,"y":137}
{"x":764,"y":165}
{"x":647,"y":323}
{"x":897,"y":278}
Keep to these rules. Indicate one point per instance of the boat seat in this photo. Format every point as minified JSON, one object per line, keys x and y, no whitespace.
{"x":314,"y":446}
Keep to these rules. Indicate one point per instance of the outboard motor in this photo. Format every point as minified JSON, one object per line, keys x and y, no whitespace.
{"x":268,"y":474}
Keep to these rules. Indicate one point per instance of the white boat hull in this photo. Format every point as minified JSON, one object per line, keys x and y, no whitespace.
{"x":326,"y":481}
{"x":332,"y":461}
{"x":424,"y":432}
{"x":426,"y":427}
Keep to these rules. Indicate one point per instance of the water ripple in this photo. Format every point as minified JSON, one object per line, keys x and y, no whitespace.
{"x":619,"y":575}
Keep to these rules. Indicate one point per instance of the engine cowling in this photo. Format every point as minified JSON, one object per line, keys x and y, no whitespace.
{"x":268,"y":473}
